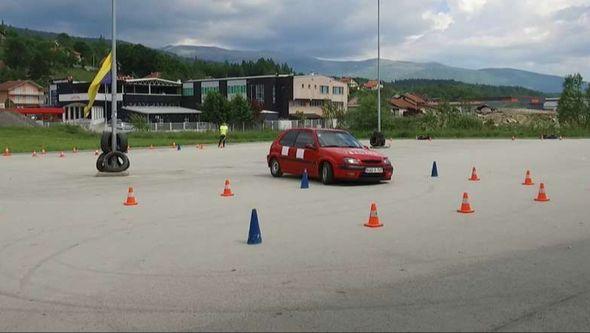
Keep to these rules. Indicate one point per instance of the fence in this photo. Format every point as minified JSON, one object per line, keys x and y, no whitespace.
{"x":268,"y":125}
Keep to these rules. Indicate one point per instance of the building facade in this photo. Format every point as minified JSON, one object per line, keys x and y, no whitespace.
{"x":310,"y":92}
{"x":279,"y":95}
{"x":265,"y":92}
{"x":156,"y":99}
{"x":18,"y":94}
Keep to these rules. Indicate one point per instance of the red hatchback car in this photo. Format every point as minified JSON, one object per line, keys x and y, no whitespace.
{"x":328,"y":155}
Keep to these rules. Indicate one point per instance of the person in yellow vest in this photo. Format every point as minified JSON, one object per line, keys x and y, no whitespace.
{"x":223,"y":135}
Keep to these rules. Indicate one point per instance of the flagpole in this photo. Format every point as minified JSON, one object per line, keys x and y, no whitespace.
{"x":105,"y":106}
{"x":114,"y":79}
{"x":378,"y":65}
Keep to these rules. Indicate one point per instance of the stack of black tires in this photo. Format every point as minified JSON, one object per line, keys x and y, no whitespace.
{"x":109,"y":160}
{"x":377,"y":139}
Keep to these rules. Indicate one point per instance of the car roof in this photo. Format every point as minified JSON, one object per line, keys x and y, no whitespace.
{"x":316,"y":129}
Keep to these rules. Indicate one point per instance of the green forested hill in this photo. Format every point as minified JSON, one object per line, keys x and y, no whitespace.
{"x":41,"y":56}
{"x":452,"y":90}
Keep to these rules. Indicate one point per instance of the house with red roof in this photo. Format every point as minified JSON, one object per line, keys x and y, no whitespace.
{"x":371,"y":85}
{"x":408,"y":105}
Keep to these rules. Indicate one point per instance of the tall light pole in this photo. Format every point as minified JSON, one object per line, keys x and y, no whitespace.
{"x":378,"y":65}
{"x":114,"y":79}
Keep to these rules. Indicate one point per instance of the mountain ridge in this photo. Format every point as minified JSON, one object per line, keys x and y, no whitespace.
{"x":391,"y":70}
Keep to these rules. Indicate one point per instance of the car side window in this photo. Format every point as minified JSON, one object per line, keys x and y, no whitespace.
{"x":288,"y":139}
{"x":305,"y":138}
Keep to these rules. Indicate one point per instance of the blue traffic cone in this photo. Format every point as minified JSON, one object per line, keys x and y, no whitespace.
{"x":254,"y":236}
{"x":434,"y":170}
{"x":305,"y":180}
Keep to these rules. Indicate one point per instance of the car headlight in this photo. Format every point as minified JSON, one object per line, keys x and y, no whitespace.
{"x":351,"y":160}
{"x":386,"y":161}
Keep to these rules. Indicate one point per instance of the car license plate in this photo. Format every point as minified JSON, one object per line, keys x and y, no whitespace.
{"x":373,"y":170}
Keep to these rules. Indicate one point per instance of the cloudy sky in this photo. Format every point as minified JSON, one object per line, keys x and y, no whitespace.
{"x":548,"y":36}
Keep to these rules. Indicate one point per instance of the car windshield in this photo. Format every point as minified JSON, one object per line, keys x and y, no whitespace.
{"x":338,"y":139}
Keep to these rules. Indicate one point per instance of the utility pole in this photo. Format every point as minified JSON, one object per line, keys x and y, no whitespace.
{"x":378,"y":65}
{"x":114,"y":79}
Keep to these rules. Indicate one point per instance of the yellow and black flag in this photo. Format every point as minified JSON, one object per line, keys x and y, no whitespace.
{"x":104,"y":70}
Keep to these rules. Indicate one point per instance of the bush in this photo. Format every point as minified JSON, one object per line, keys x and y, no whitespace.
{"x":139,"y":122}
{"x":365,"y":116}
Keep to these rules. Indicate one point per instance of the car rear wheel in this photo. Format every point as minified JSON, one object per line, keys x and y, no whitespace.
{"x":327,"y":173}
{"x":275,"y":168}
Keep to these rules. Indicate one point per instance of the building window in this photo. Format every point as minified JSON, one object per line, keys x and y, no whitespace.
{"x":317,"y":103}
{"x":188,"y":91}
{"x":338,"y":90}
{"x":260,"y":93}
{"x":324,"y":90}
{"x":302,"y":86}
{"x":274,"y":94}
{"x":309,"y":86}
{"x":235,"y":90}
{"x":206,"y":90}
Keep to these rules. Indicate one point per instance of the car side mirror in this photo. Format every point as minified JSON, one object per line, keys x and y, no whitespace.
{"x":310,"y":146}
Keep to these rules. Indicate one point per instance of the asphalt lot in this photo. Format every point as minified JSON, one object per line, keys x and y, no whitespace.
{"x":72,"y":257}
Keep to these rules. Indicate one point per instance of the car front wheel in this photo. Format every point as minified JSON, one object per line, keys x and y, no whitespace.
{"x":327,"y":173}
{"x":275,"y":168}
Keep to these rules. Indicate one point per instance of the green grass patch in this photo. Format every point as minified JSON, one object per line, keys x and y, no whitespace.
{"x":27,"y":139}
{"x":66,"y":137}
{"x":79,"y":74}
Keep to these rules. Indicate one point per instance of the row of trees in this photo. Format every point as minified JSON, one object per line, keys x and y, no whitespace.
{"x":40,"y":57}
{"x":573,"y":108}
{"x":217,"y":109}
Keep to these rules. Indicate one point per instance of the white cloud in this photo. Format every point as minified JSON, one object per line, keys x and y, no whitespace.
{"x":440,"y":21}
{"x":469,"y":6}
{"x":550,"y":36}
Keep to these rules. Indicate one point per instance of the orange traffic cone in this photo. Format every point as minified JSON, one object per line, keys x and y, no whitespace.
{"x":465,"y":206}
{"x":542,"y":195}
{"x":227,"y":190}
{"x":130,"y":198}
{"x":34,"y":153}
{"x":61,"y":154}
{"x":474,"y":177}
{"x":173,"y":144}
{"x":6,"y":152}
{"x":373,"y":218}
{"x":527,"y":179}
